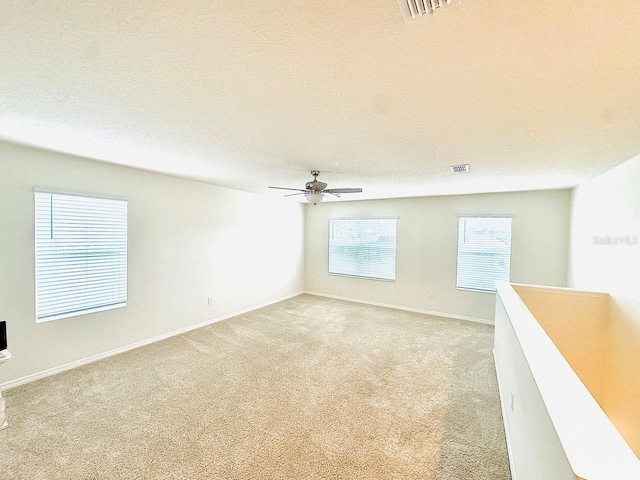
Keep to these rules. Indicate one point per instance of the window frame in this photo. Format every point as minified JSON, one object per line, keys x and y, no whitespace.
{"x":477,"y":290}
{"x":87,"y":195}
{"x":378,"y":279}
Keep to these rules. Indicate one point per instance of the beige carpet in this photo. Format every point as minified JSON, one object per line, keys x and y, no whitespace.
{"x":310,"y":388}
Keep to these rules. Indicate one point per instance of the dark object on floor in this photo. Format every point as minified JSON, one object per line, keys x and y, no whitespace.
{"x":3,"y":335}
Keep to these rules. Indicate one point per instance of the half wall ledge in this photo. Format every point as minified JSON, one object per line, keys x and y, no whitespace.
{"x":549,"y":379}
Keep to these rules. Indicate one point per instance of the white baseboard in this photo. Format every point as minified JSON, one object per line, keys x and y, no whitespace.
{"x":94,"y":358}
{"x":504,"y":419}
{"x":401,"y":307}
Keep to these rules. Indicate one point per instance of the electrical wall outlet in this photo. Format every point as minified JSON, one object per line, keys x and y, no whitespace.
{"x":210,"y":300}
{"x":513,"y":400}
{"x":430,"y":295}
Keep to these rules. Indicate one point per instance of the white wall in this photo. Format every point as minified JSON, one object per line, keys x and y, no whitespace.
{"x":187,"y":241}
{"x":535,"y":451}
{"x":609,"y":206}
{"x":427,"y":248}
{"x":577,"y":323}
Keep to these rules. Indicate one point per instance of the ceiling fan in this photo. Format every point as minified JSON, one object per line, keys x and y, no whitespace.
{"x":314,"y":191}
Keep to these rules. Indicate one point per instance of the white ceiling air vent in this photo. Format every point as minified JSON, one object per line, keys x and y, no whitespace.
{"x":415,"y":8}
{"x":464,"y":168}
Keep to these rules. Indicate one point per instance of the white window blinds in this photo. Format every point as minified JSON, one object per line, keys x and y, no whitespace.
{"x":363,"y":248}
{"x":81,"y":255}
{"x":484,"y":252}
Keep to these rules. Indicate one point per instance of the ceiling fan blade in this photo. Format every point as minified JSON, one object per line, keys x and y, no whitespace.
{"x":293,"y":194}
{"x":343,"y":190}
{"x":294,"y":189}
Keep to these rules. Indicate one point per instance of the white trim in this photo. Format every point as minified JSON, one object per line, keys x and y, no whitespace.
{"x":79,"y":313}
{"x":94,"y":358}
{"x":75,"y":193}
{"x":504,"y":418}
{"x":362,"y":278}
{"x":402,"y":307}
{"x":558,"y":290}
{"x":489,"y":215}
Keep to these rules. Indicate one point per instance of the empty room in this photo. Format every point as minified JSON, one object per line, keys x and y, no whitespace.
{"x":394,"y":239}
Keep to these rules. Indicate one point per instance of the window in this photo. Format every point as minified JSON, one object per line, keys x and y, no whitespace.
{"x":484,"y":252}
{"x":363,"y":248}
{"x":81,"y":255}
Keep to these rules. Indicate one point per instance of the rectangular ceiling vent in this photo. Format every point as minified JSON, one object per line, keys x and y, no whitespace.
{"x":412,"y":9}
{"x":464,"y":168}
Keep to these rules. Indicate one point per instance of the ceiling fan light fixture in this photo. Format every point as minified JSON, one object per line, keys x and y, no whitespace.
{"x":314,"y":198}
{"x":314,"y":191}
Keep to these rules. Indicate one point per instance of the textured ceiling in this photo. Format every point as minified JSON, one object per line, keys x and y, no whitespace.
{"x":533,"y":94}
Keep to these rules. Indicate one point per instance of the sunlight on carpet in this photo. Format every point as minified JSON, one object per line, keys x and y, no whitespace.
{"x":309,"y":388}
